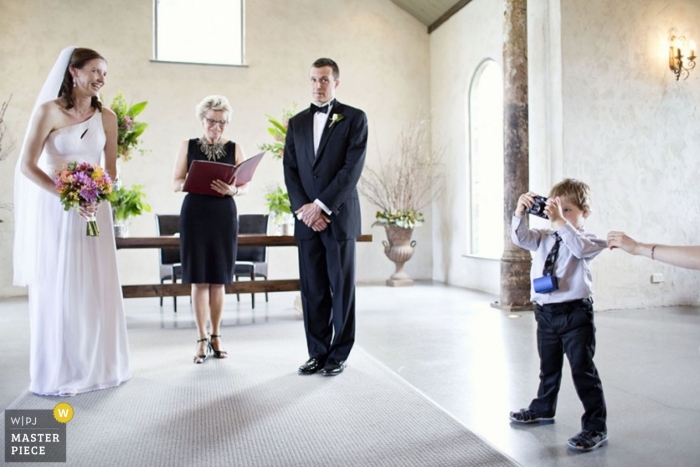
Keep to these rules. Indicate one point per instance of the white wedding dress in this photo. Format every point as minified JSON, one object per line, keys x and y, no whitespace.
{"x":78,"y":329}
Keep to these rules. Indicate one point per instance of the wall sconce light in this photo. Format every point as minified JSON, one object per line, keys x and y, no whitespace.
{"x":681,"y":57}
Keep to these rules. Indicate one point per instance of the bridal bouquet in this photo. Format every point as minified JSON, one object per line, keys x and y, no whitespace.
{"x":81,"y":183}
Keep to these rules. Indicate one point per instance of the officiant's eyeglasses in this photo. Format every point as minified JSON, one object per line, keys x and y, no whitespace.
{"x":212,"y":122}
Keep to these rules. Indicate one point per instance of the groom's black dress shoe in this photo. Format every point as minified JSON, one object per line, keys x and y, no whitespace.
{"x":312,"y":365}
{"x":333,"y":367}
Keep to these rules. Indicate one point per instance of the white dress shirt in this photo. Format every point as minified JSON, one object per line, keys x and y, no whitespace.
{"x":320,"y":120}
{"x":576,"y":250}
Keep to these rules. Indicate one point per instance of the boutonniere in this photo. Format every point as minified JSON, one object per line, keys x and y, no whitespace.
{"x":335,"y":118}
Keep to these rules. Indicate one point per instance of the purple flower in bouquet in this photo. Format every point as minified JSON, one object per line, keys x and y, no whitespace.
{"x":81,"y":183}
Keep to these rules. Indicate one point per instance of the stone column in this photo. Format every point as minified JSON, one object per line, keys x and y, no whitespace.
{"x":515,"y":263}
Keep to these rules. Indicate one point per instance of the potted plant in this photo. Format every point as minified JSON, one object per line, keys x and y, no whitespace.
{"x":278,"y":200}
{"x":127,"y":203}
{"x":278,"y":131}
{"x":400,"y":187}
{"x":280,"y":209}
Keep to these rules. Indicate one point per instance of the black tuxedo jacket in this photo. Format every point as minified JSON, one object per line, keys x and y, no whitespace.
{"x":333,"y":173}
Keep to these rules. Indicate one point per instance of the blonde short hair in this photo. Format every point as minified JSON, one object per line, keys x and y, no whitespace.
{"x":216,"y":103}
{"x":575,"y":191}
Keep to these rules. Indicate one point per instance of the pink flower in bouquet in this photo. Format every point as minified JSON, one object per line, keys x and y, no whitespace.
{"x":83,"y":183}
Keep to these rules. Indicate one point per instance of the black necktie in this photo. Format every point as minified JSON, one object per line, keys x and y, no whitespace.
{"x":552,"y":257}
{"x":323,"y":108}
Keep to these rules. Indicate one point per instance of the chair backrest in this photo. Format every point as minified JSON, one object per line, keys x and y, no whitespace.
{"x":168,"y":224}
{"x":252,"y":224}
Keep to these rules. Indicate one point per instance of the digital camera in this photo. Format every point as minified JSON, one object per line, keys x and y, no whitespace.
{"x":537,"y":208}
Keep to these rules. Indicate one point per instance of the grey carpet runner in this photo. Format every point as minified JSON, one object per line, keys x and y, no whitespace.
{"x":252,"y":410}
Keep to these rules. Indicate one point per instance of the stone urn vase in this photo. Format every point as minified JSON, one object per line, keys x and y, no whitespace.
{"x":398,"y":248}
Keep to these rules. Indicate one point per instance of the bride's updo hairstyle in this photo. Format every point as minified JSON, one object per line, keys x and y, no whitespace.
{"x":78,"y":60}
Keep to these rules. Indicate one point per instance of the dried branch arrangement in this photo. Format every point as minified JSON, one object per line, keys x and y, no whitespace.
{"x":404,"y":183}
{"x":6,"y":145}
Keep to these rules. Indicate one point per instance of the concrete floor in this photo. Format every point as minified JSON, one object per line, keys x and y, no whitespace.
{"x":478,"y":363}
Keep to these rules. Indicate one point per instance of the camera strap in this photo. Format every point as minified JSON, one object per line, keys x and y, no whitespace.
{"x":552,"y":257}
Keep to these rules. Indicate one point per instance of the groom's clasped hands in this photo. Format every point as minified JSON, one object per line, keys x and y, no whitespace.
{"x":312,"y":215}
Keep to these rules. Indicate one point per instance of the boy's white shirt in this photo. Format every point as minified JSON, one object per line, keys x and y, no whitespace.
{"x":571,"y":269}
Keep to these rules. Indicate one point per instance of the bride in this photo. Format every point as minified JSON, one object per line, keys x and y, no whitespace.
{"x":78,"y":328}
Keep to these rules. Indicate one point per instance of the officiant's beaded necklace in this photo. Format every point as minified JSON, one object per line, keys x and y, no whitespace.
{"x":213,"y":151}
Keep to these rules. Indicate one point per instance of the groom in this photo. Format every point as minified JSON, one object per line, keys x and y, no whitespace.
{"x":324,"y":154}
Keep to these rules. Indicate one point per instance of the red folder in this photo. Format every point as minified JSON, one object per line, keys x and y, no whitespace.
{"x":203,"y":173}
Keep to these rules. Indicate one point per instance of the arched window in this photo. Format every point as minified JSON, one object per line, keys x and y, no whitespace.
{"x":485,"y":107}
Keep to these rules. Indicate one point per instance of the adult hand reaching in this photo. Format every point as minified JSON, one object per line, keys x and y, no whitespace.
{"x":682,"y":256}
{"x":621,"y":240}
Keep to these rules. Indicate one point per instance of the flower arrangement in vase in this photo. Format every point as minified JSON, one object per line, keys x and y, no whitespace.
{"x":280,"y":208}
{"x":127,"y":203}
{"x":401,"y":186}
{"x":278,"y":130}
{"x":128,"y":129}
{"x":277,"y":199}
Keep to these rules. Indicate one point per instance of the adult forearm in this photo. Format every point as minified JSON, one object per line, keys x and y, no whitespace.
{"x":681,"y":256}
{"x":39,"y":177}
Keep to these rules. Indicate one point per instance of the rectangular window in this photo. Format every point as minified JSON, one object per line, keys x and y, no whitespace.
{"x":198,"y":31}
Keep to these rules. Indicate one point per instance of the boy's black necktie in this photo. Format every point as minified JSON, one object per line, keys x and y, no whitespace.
{"x":552,"y":257}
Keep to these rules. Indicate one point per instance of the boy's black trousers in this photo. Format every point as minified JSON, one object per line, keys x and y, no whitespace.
{"x":568,"y":328}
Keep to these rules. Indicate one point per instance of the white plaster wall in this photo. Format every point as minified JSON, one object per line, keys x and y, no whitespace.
{"x":544,"y":96}
{"x":457,"y":48}
{"x":631,"y":130}
{"x":603,"y":108}
{"x":381,"y":50}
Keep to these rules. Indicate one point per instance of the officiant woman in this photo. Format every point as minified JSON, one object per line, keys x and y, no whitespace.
{"x":209,"y":224}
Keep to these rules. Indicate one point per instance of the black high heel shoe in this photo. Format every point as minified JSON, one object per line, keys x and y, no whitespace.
{"x":216,"y":353}
{"x":201,"y":358}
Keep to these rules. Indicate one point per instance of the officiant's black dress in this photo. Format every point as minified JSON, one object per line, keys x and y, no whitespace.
{"x":208,"y":229}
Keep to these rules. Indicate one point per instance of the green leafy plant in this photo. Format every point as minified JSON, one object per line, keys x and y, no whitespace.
{"x":277,"y":200}
{"x":278,"y":130}
{"x":278,"y":203}
{"x":128,"y":129}
{"x":406,"y":219}
{"x":128,"y":203}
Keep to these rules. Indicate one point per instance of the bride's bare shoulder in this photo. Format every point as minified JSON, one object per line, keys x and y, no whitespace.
{"x":52,"y":109}
{"x":109,"y":115}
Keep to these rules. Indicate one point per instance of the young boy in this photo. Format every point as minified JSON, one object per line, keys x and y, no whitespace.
{"x":562,"y":293}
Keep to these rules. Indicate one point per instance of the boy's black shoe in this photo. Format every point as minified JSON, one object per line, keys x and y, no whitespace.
{"x":588,"y":440}
{"x":526,"y":416}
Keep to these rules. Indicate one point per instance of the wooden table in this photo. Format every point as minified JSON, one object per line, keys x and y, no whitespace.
{"x":172,"y":290}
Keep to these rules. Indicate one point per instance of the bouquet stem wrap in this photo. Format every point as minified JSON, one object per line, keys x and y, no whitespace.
{"x":93,"y":230}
